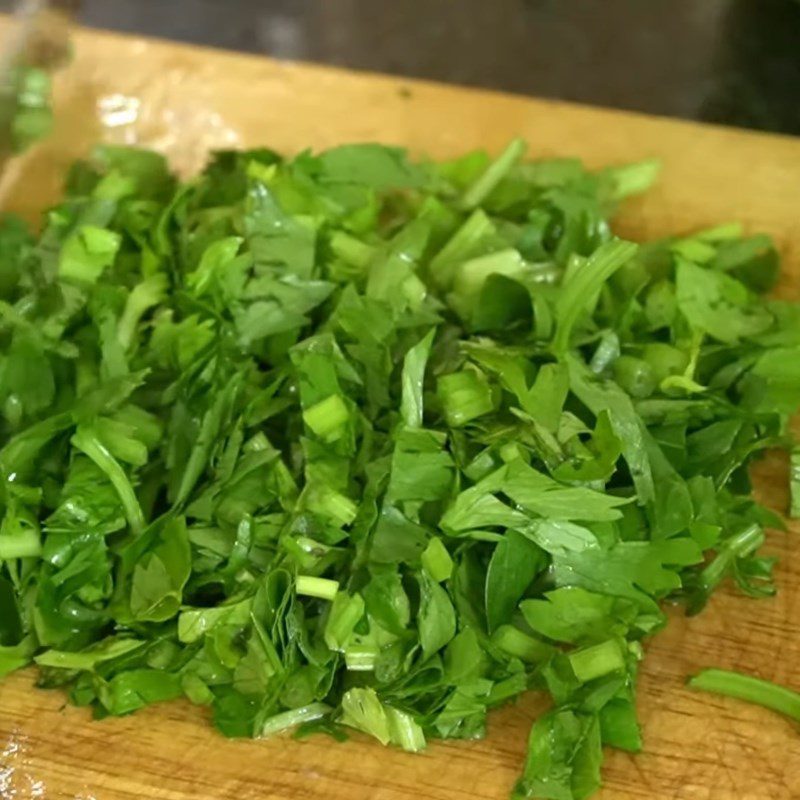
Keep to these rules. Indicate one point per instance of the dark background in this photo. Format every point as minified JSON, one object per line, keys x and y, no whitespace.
{"x":730,"y":61}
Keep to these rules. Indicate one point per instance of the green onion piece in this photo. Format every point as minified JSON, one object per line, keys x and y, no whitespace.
{"x":464,"y":396}
{"x":753,"y":690}
{"x":346,"y":612}
{"x":461,"y":246}
{"x":22,"y":543}
{"x":328,"y":418}
{"x":741,"y":544}
{"x":494,"y":173}
{"x":310,"y":586}
{"x":360,"y":659}
{"x":329,"y":503}
{"x":404,"y":730}
{"x":196,"y":690}
{"x":362,"y":709}
{"x":295,"y":716}
{"x":513,"y":641}
{"x":351,"y":250}
{"x":596,"y":661}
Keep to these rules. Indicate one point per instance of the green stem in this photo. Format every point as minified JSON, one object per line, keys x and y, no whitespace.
{"x":739,"y":545}
{"x":323,"y":588}
{"x":753,"y":690}
{"x":295,"y":716}
{"x":515,"y":643}
{"x":596,"y":661}
{"x":22,"y":544}
{"x":90,"y":444}
{"x":494,"y":173}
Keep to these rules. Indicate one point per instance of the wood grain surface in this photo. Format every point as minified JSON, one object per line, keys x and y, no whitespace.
{"x":698,"y":747}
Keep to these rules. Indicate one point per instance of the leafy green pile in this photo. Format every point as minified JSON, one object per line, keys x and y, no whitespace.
{"x":345,"y":440}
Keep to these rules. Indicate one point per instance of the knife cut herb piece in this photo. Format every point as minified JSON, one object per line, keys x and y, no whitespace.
{"x":347,"y":442}
{"x":746,"y":687}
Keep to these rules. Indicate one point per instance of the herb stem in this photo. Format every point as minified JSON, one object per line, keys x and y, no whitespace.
{"x":753,"y":690}
{"x":323,"y":588}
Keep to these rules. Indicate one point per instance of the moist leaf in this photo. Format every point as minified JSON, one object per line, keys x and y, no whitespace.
{"x":88,"y":502}
{"x":533,"y":495}
{"x":362,"y":709}
{"x":637,"y":571}
{"x":372,"y":165}
{"x":583,"y":283}
{"x":87,"y":253}
{"x":563,"y":760}
{"x":516,"y":561}
{"x":437,"y":618}
{"x":718,"y":304}
{"x":160,"y":575}
{"x":414,"y":363}
{"x":573,"y":614}
{"x":627,"y":425}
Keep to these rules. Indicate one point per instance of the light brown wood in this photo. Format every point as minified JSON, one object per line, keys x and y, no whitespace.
{"x":697,"y":747}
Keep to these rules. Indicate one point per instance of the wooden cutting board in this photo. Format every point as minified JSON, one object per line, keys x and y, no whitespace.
{"x":698,"y":747}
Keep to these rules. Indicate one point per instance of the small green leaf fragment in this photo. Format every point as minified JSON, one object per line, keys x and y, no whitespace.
{"x":437,"y":560}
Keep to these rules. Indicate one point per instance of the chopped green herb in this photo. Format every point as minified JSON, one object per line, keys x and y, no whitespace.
{"x":753,"y":690}
{"x":347,"y":441}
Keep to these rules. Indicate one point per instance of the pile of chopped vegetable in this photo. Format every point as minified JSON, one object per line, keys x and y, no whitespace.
{"x":346,"y":441}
